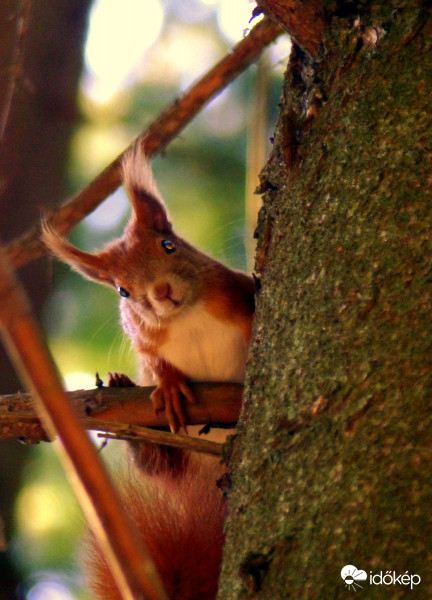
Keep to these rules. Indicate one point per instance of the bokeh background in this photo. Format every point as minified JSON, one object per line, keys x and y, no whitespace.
{"x":139,"y":56}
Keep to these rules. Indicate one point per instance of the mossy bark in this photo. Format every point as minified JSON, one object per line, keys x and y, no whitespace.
{"x":331,"y":465}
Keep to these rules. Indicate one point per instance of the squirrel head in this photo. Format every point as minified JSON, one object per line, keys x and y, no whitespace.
{"x":150,"y":267}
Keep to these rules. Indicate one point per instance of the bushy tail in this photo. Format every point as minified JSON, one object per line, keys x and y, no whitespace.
{"x":181,"y":522}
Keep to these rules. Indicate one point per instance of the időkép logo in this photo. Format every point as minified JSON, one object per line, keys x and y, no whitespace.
{"x":355,"y":579}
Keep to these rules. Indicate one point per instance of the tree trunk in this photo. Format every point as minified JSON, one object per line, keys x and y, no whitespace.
{"x":33,"y":152}
{"x":331,"y":466}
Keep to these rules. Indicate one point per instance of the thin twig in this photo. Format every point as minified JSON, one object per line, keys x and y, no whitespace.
{"x":130,"y":562}
{"x":164,"y":129}
{"x":123,"y":431}
{"x":22,"y":20}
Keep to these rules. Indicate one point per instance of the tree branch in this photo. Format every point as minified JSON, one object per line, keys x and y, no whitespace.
{"x":123,"y":431}
{"x":122,"y":408}
{"x":164,"y":129}
{"x":304,"y":20}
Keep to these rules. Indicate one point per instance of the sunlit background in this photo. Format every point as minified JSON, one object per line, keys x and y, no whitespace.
{"x":139,"y":57}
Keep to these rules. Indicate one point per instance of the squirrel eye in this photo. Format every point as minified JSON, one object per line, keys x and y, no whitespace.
{"x":121,"y":290}
{"x":168,"y":246}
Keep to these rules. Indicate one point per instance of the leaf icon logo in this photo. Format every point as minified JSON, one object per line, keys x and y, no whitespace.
{"x":351,"y":575}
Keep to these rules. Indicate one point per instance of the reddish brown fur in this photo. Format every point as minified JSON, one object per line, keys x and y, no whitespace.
{"x":229,"y":295}
{"x":181,"y":522}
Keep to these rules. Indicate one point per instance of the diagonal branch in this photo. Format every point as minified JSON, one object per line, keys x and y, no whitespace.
{"x":164,"y":129}
{"x":304,"y":20}
{"x":130,"y":562}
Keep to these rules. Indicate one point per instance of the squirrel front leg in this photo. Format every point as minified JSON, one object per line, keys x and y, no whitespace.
{"x":171,"y":386}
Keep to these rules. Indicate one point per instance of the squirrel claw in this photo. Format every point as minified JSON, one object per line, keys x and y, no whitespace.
{"x":119,"y":380}
{"x":167,"y":397}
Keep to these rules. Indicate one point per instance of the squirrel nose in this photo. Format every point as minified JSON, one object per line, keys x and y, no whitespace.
{"x":162,"y":291}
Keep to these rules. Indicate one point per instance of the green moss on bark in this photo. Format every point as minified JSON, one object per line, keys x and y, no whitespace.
{"x":332,"y":462}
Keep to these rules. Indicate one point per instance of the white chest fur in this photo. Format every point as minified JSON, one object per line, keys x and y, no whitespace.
{"x":205,"y":348}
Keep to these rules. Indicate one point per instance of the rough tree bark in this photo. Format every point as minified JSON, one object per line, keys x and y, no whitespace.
{"x":331,"y":465}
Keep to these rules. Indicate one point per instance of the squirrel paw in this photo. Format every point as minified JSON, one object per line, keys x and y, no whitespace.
{"x":168,"y":396}
{"x":119,"y":380}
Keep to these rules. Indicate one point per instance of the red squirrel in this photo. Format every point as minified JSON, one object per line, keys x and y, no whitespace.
{"x":189,"y":318}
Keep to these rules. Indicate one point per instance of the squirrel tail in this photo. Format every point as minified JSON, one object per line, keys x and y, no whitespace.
{"x":181,"y":522}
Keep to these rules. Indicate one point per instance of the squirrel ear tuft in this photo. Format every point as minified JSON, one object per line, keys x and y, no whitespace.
{"x":147,"y":203}
{"x":149,"y":211}
{"x":91,"y":266}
